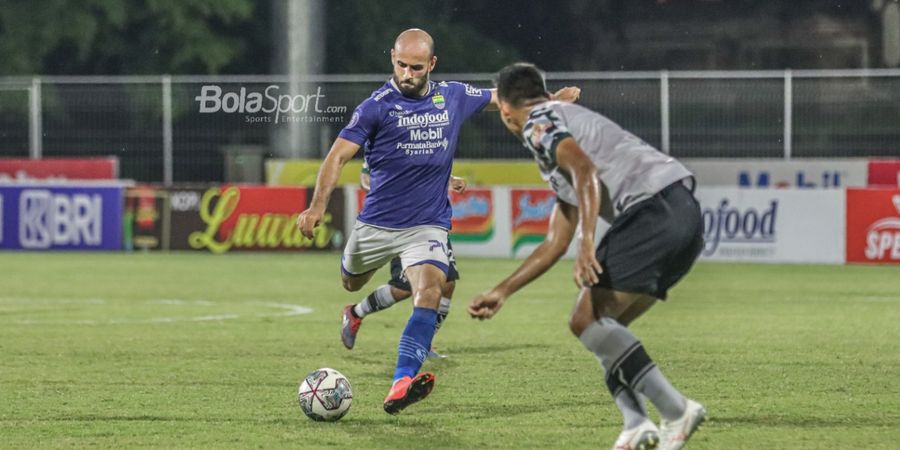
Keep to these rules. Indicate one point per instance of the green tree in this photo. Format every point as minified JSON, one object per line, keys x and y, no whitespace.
{"x":122,"y":36}
{"x":370,"y":27}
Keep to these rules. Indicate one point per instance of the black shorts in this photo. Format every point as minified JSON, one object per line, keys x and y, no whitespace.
{"x":653,"y":244}
{"x":400,"y":282}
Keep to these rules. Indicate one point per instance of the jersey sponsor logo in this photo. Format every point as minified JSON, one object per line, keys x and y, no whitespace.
{"x":728,"y":224}
{"x":422,"y":148}
{"x":424,"y":120}
{"x":426,"y":134}
{"x":473,"y":91}
{"x":381,"y":95}
{"x":536,"y":134}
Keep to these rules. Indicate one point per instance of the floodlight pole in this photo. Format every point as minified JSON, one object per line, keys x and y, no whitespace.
{"x":168,"y":160}
{"x":664,"y":110}
{"x":788,"y":112}
{"x":35,"y":127}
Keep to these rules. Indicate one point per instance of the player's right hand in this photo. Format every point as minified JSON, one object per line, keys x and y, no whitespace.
{"x":307,"y":221}
{"x":485,"y":305}
{"x":587,"y":269}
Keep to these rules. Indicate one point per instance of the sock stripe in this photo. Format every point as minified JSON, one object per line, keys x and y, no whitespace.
{"x":640,"y":375}
{"x":373,"y":303}
{"x":628,"y":351}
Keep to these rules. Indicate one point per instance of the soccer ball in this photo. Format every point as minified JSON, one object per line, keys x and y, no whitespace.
{"x":325,"y":395}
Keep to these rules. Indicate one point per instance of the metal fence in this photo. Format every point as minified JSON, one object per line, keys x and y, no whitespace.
{"x":185,"y":128}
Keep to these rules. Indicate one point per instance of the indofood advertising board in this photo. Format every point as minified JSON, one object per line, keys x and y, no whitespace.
{"x":779,"y":225}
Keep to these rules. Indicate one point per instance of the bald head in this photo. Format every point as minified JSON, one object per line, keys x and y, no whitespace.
{"x":413,"y":60}
{"x":415,"y":40}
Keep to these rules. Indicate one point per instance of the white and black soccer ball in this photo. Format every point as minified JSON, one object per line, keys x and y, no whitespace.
{"x":325,"y":395}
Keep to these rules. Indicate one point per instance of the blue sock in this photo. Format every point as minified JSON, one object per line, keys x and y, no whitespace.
{"x":415,"y":342}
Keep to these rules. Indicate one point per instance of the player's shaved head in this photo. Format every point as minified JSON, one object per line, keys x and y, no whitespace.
{"x":415,"y":39}
{"x":413,"y":60}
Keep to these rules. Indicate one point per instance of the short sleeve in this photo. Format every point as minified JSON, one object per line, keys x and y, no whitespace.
{"x":363,"y":123}
{"x":473,"y":99}
{"x":542,"y":133}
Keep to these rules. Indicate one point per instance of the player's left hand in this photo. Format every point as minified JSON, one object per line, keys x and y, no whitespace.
{"x":569,"y":94}
{"x":458,"y":184}
{"x":587,"y":268}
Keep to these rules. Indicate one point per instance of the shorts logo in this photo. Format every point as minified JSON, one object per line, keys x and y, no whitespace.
{"x":435,"y":244}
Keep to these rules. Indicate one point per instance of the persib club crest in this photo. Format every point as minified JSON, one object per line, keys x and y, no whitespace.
{"x":438,"y":101}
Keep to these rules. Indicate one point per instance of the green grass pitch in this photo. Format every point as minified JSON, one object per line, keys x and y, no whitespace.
{"x":202,"y":351}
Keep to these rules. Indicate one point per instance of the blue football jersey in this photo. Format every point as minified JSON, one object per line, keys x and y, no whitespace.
{"x":409,"y":145}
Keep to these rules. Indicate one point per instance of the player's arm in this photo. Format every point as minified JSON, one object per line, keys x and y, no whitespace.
{"x":341,"y":151}
{"x":364,"y":180}
{"x":568,"y":94}
{"x":563,"y":222}
{"x":572,"y":160}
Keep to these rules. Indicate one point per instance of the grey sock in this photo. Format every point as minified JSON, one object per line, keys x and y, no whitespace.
{"x":379,"y":299}
{"x":665,"y":397}
{"x":629,"y":367}
{"x":632,"y":407}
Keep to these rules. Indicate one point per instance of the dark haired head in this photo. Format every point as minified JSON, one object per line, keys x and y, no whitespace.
{"x":520,"y":82}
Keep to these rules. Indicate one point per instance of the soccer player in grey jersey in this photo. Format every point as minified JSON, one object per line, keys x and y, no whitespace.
{"x":598,"y":169}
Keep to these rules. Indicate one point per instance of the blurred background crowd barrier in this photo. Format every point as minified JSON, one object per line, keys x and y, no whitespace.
{"x":208,"y":129}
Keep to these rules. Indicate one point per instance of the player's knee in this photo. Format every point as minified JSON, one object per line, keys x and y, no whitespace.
{"x":429,"y":297}
{"x":352,"y":284}
{"x":578,"y":323}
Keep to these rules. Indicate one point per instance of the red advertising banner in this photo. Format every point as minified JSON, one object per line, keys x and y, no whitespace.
{"x":873,"y":225}
{"x":360,"y":200}
{"x":531,"y":209}
{"x":58,"y":169}
{"x":234,"y":218}
{"x":884,"y":173}
{"x":473,"y":215}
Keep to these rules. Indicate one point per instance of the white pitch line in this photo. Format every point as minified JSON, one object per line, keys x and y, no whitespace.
{"x":289,"y":311}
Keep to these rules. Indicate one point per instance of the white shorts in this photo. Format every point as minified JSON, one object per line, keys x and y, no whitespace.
{"x":369,"y":247}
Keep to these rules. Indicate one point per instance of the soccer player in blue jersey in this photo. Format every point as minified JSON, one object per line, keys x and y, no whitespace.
{"x":397,"y":288}
{"x":409,"y":128}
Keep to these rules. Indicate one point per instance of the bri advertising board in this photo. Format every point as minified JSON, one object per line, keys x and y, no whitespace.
{"x":759,"y":225}
{"x":52,"y":217}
